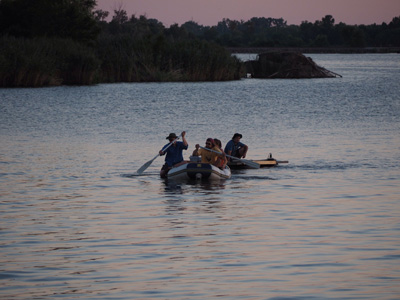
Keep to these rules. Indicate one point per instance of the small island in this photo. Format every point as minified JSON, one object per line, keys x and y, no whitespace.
{"x":288,"y":65}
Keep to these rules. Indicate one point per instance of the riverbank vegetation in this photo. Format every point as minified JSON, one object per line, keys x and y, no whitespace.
{"x":54,"y":42}
{"x":122,"y":50}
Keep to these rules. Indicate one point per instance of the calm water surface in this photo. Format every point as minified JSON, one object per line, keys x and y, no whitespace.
{"x":76,"y":223}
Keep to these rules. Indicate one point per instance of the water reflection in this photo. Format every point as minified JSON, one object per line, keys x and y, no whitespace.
{"x":195,"y":186}
{"x":193,"y":197}
{"x":171,"y":188}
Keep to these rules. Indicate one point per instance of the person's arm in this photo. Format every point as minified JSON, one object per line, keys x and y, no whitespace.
{"x":216,"y":156}
{"x":223,"y":155}
{"x":228,"y":149}
{"x":185,"y":143}
{"x":245,"y":150}
{"x":161,"y":152}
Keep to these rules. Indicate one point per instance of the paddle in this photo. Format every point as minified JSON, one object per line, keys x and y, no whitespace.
{"x":147,"y":164}
{"x":250,"y":163}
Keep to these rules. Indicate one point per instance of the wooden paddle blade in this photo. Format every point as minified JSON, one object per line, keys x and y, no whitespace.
{"x":250,"y":163}
{"x":146,"y":165}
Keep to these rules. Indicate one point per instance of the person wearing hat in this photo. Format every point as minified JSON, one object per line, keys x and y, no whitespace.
{"x":174,"y":156}
{"x":235,"y":147}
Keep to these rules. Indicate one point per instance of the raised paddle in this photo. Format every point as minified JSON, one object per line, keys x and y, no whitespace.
{"x":250,"y":163}
{"x":146,"y":165}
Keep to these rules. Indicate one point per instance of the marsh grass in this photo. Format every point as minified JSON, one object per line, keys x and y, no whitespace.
{"x":45,"y":62}
{"x":115,"y":58}
{"x":160,"y":59}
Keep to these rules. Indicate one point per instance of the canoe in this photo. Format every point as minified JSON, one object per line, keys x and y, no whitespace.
{"x":269,"y":162}
{"x":198,"y":171}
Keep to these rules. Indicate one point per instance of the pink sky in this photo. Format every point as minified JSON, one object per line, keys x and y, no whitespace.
{"x":210,"y":12}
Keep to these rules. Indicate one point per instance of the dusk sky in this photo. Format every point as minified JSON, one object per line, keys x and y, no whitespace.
{"x":210,"y":12}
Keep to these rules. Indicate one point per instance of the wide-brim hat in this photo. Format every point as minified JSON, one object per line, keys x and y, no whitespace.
{"x":237,"y":134}
{"x":171,"y":136}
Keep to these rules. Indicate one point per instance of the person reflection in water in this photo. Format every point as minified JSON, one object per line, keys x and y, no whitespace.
{"x":174,"y":155}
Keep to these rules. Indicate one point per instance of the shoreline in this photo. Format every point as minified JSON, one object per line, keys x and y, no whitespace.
{"x":309,"y":50}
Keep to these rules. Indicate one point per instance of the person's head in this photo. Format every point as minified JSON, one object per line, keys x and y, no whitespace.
{"x":210,"y":143}
{"x":171,"y":137}
{"x":218,"y":143}
{"x":236,"y":137}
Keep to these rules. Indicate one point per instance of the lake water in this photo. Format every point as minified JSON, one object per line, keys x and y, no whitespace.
{"x":77,"y":223}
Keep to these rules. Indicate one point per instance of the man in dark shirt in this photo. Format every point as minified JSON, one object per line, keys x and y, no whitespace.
{"x":174,"y":156}
{"x":235,"y":147}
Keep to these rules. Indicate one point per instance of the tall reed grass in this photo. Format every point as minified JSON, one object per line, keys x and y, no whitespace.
{"x":45,"y":62}
{"x":159,"y":59}
{"x":115,"y":58}
{"x":26,"y":63}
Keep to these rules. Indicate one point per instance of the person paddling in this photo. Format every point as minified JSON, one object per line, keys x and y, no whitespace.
{"x":235,"y":147}
{"x":209,"y":157}
{"x":174,"y":155}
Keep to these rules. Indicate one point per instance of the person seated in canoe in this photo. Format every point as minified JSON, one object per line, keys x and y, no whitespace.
{"x":222,"y":160}
{"x":174,"y":157}
{"x":208,"y":157}
{"x":235,"y":147}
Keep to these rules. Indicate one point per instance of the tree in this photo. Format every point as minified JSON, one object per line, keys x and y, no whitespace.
{"x":327,"y":22}
{"x":51,"y":18}
{"x":193,"y":28}
{"x":395,"y":23}
{"x":353,"y":36}
{"x":120,"y":17}
{"x":321,"y":40}
{"x":100,"y":15}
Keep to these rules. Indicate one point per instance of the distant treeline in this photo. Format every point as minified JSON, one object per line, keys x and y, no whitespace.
{"x":269,"y":32}
{"x":53,"y":42}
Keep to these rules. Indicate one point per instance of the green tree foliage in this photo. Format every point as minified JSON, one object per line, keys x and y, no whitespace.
{"x":49,"y":18}
{"x":353,"y":36}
